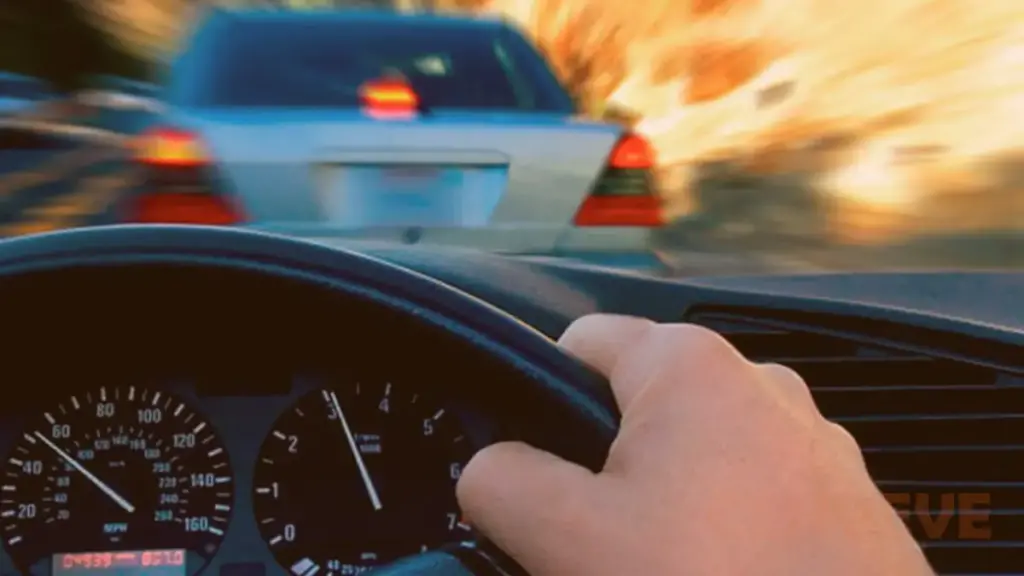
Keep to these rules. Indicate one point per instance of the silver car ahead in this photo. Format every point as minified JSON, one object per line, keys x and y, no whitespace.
{"x":384,"y":126}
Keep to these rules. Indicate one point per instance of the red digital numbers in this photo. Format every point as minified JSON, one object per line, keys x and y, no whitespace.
{"x":88,"y":560}
{"x":163,"y":558}
{"x":101,"y":560}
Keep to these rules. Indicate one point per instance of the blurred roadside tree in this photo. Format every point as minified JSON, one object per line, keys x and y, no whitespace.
{"x":52,"y":39}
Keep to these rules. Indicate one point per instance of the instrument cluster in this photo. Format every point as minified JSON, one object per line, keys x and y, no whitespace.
{"x":329,"y":477}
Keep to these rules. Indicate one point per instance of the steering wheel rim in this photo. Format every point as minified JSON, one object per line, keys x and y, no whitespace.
{"x":554,"y":376}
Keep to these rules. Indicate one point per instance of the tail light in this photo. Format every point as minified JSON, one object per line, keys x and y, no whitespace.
{"x":180,"y":184}
{"x":182,"y":208}
{"x":170,"y":147}
{"x":624,"y":194}
{"x":389,"y":98}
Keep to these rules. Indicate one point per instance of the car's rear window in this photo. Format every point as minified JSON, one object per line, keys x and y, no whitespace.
{"x":322,"y":64}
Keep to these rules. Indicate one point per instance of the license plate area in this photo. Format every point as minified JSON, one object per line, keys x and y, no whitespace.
{"x":411,"y":178}
{"x":358,"y":196}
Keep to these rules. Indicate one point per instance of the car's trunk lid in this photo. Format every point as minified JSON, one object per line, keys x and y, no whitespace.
{"x":444,"y":170}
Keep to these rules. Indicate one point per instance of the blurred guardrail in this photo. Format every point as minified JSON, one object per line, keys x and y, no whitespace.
{"x":117,"y":111}
{"x":58,"y":129}
{"x":50,"y":125}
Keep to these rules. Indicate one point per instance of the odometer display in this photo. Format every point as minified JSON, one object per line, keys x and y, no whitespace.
{"x":122,"y":563}
{"x":116,"y":469}
{"x":357,"y":476}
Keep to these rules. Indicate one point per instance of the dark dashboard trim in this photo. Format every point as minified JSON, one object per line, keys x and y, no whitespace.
{"x":955,"y":335}
{"x":953,"y":345}
{"x":551,"y":294}
{"x":670,"y":300}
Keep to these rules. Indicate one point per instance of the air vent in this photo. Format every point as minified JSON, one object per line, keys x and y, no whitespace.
{"x":942,"y":432}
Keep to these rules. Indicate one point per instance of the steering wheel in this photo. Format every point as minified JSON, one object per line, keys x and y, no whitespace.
{"x":552,"y":379}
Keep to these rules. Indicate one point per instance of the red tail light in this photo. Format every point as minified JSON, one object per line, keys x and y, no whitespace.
{"x":389,"y":98}
{"x":624,"y":194}
{"x":632,"y":153}
{"x":179,"y":183}
{"x":170,"y":147}
{"x":184,"y":208}
{"x":644,"y":211}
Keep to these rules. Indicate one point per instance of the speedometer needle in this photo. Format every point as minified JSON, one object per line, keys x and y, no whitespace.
{"x":124,"y":504}
{"x":371,"y":490}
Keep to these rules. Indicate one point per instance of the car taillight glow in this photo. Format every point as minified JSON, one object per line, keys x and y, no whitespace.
{"x":632,"y":153}
{"x":170,"y":147}
{"x":184,"y":208}
{"x":624,"y":195}
{"x":389,"y":98}
{"x":642,"y":211}
{"x":180,"y":184}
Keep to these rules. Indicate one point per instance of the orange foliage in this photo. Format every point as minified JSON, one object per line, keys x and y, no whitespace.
{"x":833,"y":91}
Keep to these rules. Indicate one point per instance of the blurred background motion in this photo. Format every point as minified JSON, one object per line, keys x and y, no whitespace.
{"x":790,"y":135}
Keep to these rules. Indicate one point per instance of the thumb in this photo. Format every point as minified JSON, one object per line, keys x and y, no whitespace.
{"x":525,"y":500}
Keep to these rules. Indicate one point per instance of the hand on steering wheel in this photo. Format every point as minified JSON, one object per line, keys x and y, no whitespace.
{"x":721,"y":467}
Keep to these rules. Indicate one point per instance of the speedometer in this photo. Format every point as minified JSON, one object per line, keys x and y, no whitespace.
{"x":115,"y":468}
{"x":357,"y":476}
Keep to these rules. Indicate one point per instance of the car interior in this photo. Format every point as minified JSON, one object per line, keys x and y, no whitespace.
{"x":189,"y":398}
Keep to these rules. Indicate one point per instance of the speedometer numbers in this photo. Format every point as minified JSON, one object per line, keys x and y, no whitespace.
{"x":115,"y":468}
{"x":354,"y":477}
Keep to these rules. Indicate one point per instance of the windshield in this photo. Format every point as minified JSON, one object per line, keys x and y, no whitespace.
{"x":640,"y":137}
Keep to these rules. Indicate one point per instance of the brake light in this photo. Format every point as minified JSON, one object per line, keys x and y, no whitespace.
{"x":624,"y":195}
{"x":180,"y":183}
{"x":642,"y":211}
{"x":170,"y":147}
{"x":389,"y":98}
{"x":184,"y":208}
{"x":632,"y":153}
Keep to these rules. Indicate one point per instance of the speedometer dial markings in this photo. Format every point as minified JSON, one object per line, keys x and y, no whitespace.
{"x":119,"y":470}
{"x":355,"y":477}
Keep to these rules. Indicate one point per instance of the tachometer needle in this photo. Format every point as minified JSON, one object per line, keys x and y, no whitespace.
{"x":371,"y":490}
{"x":117,"y":498}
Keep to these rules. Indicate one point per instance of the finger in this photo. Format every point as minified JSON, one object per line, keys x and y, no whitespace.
{"x":523,"y":499}
{"x":668,"y":360}
{"x":602,"y":341}
{"x":846,"y":441}
{"x":790,"y":385}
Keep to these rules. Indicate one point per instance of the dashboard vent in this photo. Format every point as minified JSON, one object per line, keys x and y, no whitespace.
{"x":942,"y":430}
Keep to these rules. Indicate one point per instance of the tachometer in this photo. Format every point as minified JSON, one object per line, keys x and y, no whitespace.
{"x":116,"y":468}
{"x":354,"y":477}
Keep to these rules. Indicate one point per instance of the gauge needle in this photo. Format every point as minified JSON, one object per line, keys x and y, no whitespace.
{"x":99,"y":483}
{"x":371,"y":490}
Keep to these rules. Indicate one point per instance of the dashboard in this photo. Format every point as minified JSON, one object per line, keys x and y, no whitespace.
{"x":161,"y":467}
{"x":211,"y":434}
{"x":230,"y":425}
